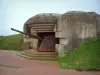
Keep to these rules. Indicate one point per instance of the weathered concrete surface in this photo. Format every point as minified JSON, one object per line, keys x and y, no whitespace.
{"x":33,"y":67}
{"x":77,"y":27}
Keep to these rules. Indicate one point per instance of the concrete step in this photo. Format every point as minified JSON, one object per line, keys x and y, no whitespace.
{"x":38,"y":58}
{"x":29,"y":54}
{"x":40,"y":53}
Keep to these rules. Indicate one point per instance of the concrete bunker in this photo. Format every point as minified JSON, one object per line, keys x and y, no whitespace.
{"x":42,"y":25}
{"x":66,"y":32}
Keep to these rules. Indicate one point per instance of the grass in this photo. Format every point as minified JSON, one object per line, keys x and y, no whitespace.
{"x":86,"y":57}
{"x":12,"y":42}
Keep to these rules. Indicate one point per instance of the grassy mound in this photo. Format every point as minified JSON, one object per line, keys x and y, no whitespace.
{"x":12,"y":42}
{"x":86,"y":57}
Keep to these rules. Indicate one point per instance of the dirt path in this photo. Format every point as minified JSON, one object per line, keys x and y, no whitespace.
{"x":10,"y":64}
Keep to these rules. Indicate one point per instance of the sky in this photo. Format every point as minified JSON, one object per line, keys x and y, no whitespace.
{"x":14,"y":13}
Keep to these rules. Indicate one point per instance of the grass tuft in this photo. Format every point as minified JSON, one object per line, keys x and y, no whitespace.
{"x":86,"y":57}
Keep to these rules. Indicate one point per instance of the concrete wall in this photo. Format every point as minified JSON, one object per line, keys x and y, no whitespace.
{"x":30,"y":43}
{"x":75,"y":28}
{"x":98,"y":25}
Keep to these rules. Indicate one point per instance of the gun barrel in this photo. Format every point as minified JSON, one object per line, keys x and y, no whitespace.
{"x":37,"y":37}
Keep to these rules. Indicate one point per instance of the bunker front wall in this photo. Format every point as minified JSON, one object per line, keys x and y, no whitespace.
{"x":39,"y":23}
{"x":29,"y":42}
{"x":74,"y":29}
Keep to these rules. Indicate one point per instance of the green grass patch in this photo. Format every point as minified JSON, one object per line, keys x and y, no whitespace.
{"x":86,"y":57}
{"x":12,"y":42}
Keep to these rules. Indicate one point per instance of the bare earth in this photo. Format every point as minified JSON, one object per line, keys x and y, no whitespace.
{"x":10,"y":64}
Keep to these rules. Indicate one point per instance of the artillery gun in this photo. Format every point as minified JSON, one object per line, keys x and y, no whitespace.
{"x":33,"y":36}
{"x":47,"y":43}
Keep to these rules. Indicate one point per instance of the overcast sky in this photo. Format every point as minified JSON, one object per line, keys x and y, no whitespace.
{"x":14,"y":13}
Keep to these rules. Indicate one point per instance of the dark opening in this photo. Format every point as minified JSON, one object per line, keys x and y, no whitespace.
{"x":47,"y":44}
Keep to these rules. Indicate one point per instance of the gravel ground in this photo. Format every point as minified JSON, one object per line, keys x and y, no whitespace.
{"x":11,"y":64}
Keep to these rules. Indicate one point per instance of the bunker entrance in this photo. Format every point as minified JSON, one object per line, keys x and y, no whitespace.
{"x":48,"y":42}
